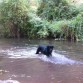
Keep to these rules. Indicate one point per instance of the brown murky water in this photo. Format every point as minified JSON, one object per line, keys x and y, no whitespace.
{"x":20,"y":64}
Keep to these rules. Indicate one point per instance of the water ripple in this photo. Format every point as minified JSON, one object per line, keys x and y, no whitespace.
{"x":29,"y":52}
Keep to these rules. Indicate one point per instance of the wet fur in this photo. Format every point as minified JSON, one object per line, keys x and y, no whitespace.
{"x":46,"y":50}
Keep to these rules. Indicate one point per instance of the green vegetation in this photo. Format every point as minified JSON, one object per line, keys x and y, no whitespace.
{"x":71,"y":29}
{"x":14,"y":17}
{"x":52,"y":19}
{"x":56,"y":10}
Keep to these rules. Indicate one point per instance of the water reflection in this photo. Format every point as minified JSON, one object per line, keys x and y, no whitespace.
{"x":29,"y":52}
{"x":23,"y":48}
{"x":20,"y":64}
{"x":37,"y":71}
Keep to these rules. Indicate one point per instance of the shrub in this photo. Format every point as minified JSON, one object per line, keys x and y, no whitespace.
{"x":14,"y":15}
{"x":71,"y":30}
{"x":38,"y":27}
{"x":56,"y":10}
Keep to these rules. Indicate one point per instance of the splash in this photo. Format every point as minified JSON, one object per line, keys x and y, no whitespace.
{"x":59,"y":59}
{"x":29,"y":52}
{"x":20,"y":52}
{"x":9,"y":81}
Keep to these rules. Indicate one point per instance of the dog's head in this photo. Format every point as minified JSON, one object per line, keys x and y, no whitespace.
{"x":50,"y":48}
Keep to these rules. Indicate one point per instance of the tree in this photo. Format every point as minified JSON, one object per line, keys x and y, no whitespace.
{"x":56,"y":10}
{"x":14,"y":15}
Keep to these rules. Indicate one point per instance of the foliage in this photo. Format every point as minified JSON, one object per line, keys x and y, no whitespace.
{"x":14,"y":15}
{"x":54,"y":19}
{"x":56,"y":10}
{"x":71,"y":30}
{"x":56,"y":28}
{"x":80,"y":8}
{"x":38,"y":27}
{"x":78,"y":25}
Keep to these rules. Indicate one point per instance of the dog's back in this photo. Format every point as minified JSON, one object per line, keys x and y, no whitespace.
{"x":47,"y":50}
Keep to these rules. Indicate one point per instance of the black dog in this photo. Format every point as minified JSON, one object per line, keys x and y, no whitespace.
{"x":46,"y":50}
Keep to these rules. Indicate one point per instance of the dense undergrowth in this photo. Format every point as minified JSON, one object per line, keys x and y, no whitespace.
{"x":53,"y":19}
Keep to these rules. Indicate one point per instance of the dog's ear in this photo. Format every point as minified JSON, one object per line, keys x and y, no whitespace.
{"x":50,"y":47}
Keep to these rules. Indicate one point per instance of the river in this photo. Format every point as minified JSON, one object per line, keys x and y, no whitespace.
{"x":20,"y":64}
